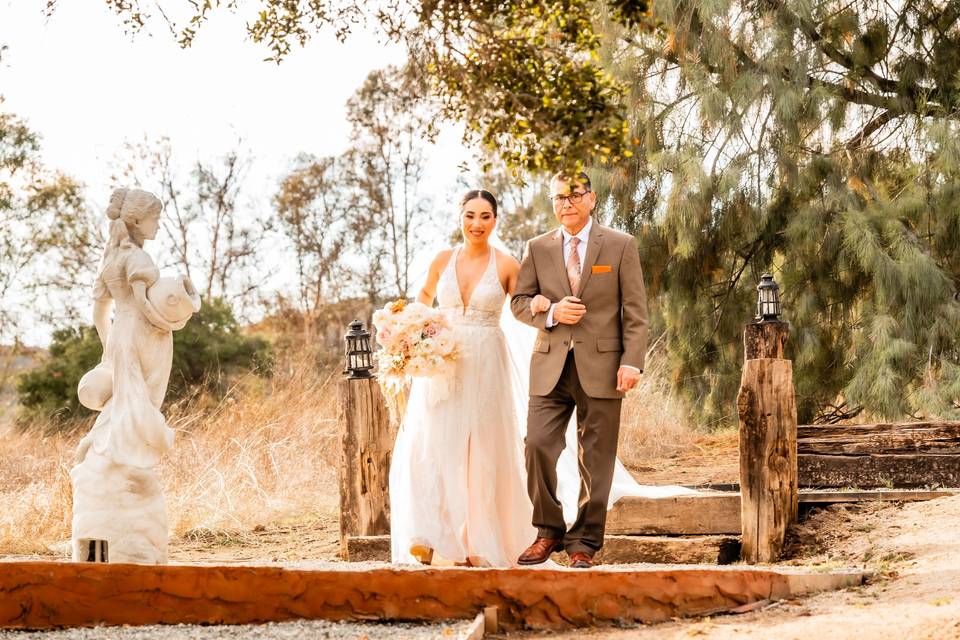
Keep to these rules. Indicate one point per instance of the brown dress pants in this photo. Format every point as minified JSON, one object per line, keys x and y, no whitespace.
{"x":598,"y":426}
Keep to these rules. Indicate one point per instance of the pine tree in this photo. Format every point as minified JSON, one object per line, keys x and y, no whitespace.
{"x":816,"y":141}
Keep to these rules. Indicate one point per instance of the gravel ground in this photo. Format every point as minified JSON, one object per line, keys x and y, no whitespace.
{"x":303,"y":629}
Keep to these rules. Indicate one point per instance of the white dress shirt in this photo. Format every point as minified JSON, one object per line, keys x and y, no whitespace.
{"x":584,"y":236}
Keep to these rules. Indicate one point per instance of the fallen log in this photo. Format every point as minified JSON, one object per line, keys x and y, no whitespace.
{"x":883,"y":438}
{"x":880,"y":470}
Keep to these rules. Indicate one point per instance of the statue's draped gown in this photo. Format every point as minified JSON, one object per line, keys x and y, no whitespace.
{"x":117,"y":496}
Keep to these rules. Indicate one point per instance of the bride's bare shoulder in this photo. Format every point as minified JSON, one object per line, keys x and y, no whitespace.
{"x":507,"y":265}
{"x":440,"y":260}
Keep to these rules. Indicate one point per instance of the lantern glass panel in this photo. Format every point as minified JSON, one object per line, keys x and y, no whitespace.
{"x":768,"y":299}
{"x":359,"y":357}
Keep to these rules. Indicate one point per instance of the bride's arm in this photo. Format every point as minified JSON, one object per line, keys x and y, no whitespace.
{"x":429,"y":290}
{"x":510,"y":270}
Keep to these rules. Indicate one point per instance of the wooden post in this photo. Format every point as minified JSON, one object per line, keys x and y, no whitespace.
{"x":767,"y":411}
{"x":366,"y":444}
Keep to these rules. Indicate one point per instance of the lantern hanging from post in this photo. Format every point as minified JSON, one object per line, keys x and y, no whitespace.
{"x":768,"y":299}
{"x":358,"y":352}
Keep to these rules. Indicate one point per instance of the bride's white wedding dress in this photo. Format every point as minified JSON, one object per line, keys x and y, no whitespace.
{"x":457,"y":480}
{"x":457,"y":476}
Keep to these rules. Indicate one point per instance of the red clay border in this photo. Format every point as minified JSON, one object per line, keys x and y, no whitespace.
{"x":41,"y":595}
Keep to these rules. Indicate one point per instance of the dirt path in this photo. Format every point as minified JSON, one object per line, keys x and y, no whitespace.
{"x":913,"y":550}
{"x":313,"y":537}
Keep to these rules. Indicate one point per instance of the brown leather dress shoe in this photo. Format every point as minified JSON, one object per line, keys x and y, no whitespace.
{"x":540,"y":550}
{"x":581,"y":560}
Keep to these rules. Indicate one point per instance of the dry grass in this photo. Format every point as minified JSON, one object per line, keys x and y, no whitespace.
{"x":655,"y":423}
{"x":263,"y":454}
{"x":35,"y":491}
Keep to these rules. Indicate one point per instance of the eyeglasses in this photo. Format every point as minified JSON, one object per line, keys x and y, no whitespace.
{"x":573,"y":198}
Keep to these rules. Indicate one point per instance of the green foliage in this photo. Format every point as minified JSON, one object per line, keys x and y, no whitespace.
{"x":816,"y":140}
{"x":523,"y":74}
{"x":51,"y":388}
{"x":208,"y":351}
{"x":802,"y":140}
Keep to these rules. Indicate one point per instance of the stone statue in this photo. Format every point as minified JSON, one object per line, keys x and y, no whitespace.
{"x":119,"y":513}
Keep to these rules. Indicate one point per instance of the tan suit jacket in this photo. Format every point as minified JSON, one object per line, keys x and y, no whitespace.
{"x":614,"y":330}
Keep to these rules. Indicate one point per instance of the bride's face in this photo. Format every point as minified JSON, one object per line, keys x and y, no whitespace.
{"x":477,"y":220}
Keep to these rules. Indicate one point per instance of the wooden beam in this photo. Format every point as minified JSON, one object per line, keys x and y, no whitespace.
{"x":44,"y":595}
{"x":765,"y":340}
{"x":719,"y":513}
{"x":876,"y":495}
{"x":882,"y":438}
{"x":368,"y":548}
{"x":669,"y":550}
{"x":706,"y":514}
{"x":882,"y":470}
{"x":635,"y":523}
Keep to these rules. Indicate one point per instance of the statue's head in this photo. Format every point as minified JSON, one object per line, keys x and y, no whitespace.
{"x":138,"y":210}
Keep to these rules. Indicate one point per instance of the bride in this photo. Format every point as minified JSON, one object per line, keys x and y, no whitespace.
{"x":457,"y":477}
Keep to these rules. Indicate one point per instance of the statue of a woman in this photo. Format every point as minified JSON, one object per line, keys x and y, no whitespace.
{"x":116,"y":495}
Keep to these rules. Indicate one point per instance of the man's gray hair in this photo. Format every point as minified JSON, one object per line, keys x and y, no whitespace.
{"x":581,"y":178}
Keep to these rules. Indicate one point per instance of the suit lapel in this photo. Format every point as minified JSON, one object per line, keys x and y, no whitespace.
{"x":556,"y":249}
{"x":590,"y":259}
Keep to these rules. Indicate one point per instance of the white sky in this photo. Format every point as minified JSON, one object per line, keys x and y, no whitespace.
{"x":87,"y":88}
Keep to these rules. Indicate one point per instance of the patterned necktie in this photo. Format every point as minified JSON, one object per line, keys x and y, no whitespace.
{"x":573,"y":265}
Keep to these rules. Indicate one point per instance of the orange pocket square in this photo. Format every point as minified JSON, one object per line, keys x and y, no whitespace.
{"x":601,"y":268}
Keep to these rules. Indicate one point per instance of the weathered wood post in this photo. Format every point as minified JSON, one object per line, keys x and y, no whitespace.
{"x":366,"y":442}
{"x":767,"y":412}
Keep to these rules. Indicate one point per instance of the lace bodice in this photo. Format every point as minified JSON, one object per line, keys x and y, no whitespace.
{"x":485,"y":302}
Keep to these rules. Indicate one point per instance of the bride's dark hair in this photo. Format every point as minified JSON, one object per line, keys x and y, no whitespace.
{"x":479,"y":193}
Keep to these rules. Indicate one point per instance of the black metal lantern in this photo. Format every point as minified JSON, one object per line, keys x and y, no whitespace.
{"x":359,"y":355}
{"x":768,"y":299}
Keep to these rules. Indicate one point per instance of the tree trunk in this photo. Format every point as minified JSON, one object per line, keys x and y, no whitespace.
{"x":366,"y":445}
{"x":767,"y":411}
{"x":765,"y":340}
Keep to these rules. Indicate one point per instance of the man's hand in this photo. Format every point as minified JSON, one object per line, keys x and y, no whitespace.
{"x":627,"y":378}
{"x":569,"y":311}
{"x":539,"y":304}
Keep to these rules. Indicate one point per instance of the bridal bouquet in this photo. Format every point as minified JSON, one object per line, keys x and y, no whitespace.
{"x":415,"y":341}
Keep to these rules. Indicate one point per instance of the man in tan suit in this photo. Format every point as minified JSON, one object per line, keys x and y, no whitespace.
{"x":582,"y":287}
